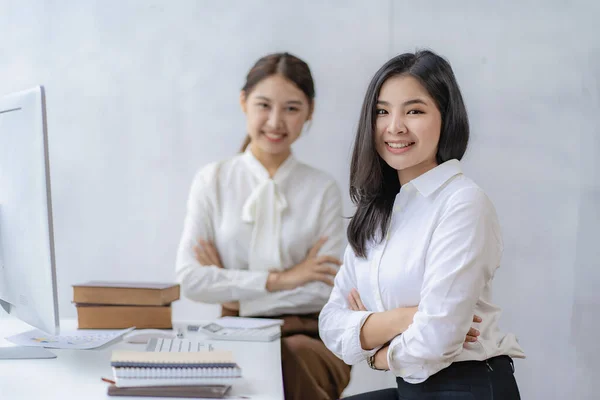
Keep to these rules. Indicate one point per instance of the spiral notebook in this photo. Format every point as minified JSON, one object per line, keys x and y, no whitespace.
{"x":139,"y":368}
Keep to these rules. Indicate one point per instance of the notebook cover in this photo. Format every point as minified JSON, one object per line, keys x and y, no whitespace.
{"x":206,"y":391}
{"x":153,"y":382}
{"x":129,"y":285}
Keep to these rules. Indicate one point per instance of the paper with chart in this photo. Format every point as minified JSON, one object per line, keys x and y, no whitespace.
{"x":83,"y":339}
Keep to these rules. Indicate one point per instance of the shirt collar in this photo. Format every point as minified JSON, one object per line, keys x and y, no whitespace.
{"x":433,"y":179}
{"x":261,"y":172}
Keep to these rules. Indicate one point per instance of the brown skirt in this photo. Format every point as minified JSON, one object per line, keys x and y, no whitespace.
{"x":310,"y":370}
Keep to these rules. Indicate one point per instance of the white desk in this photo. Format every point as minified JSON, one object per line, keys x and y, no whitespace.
{"x":75,"y":374}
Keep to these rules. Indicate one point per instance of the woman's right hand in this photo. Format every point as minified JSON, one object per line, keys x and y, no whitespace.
{"x":313,"y":269}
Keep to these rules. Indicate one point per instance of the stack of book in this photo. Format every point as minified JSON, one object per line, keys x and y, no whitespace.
{"x":207,"y":374}
{"x":117,"y":305}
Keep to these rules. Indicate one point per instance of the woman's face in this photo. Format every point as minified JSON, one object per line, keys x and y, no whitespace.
{"x":407,"y":128}
{"x":276,"y":110}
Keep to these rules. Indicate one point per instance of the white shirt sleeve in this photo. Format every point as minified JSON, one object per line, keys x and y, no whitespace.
{"x":331,"y":225}
{"x":464,"y":252}
{"x":312,"y":296}
{"x":339,"y":326}
{"x":210,"y":284}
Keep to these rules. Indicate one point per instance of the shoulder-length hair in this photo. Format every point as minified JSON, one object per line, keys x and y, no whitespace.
{"x":373,"y":183}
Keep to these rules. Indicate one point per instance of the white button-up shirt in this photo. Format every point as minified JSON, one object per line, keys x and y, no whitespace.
{"x":441,"y":251}
{"x":259,"y":224}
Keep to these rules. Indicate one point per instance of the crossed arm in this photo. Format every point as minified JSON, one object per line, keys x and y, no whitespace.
{"x":381,"y":327}
{"x":465,"y":251}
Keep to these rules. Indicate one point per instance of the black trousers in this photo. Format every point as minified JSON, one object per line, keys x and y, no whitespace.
{"x":467,"y":380}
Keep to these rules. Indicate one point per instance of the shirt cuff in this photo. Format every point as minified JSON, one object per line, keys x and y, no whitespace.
{"x":400,"y":369}
{"x":259,"y":280}
{"x":354,"y":353}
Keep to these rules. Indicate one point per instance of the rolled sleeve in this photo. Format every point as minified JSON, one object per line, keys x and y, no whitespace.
{"x":340,"y":326}
{"x":341,"y":334}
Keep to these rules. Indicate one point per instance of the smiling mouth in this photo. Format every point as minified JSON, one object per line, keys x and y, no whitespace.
{"x":275,"y":137}
{"x":399,"y":145}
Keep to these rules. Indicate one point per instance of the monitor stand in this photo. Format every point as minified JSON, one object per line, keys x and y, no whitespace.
{"x":22,"y":352}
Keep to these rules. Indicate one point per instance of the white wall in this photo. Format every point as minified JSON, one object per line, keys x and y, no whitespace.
{"x":142,"y":93}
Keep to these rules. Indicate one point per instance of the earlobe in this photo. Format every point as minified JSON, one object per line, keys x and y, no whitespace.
{"x":243,"y":102}
{"x":306,"y":126}
{"x":310,"y":111}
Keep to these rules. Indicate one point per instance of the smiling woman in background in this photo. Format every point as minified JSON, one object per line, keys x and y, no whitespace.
{"x":263,"y":231}
{"x":423,"y":235}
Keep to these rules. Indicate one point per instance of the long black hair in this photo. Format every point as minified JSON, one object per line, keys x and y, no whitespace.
{"x":373,"y":183}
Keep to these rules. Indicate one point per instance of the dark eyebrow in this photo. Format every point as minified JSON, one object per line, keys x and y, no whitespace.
{"x":406,"y":103}
{"x":291,"y":102}
{"x":414,"y":101}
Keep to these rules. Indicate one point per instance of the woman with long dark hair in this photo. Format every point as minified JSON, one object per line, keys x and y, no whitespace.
{"x":424,"y":235}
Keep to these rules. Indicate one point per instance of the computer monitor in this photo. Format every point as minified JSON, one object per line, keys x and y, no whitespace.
{"x":27,"y":264}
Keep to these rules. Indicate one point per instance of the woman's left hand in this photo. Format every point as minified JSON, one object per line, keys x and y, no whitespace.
{"x":207,"y":254}
{"x":355,"y":302}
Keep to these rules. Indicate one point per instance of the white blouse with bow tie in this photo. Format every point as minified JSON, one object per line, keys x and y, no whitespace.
{"x":258,"y":224}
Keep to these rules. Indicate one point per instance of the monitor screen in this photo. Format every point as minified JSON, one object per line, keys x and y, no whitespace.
{"x":27,"y":264}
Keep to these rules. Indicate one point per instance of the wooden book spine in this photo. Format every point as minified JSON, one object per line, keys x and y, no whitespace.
{"x":120,"y":317}
{"x":125,"y":296}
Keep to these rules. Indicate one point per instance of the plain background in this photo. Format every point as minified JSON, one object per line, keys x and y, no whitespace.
{"x":143,"y":93}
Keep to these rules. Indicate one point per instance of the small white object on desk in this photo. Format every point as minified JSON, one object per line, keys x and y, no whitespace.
{"x":248,"y":323}
{"x":144,"y":335}
{"x":215,"y":331}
